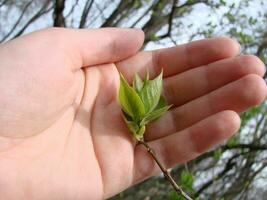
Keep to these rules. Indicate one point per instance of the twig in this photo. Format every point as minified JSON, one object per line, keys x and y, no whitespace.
{"x":85,"y":13}
{"x":36,"y":16}
{"x":17,"y":22}
{"x":59,"y":19}
{"x":166,"y":173}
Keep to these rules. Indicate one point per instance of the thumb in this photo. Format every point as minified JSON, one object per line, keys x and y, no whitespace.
{"x":92,"y":46}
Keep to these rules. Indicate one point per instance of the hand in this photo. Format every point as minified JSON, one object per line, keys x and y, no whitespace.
{"x":62,"y":134}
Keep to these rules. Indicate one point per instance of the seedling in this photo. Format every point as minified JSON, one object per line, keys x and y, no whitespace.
{"x":141,"y":104}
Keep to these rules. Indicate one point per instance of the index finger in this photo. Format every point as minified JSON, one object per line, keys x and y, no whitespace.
{"x":179,"y":58}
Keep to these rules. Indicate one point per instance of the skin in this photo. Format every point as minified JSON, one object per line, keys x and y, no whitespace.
{"x":62,"y":135}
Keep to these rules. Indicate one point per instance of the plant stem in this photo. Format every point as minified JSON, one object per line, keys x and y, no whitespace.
{"x":165,"y":172}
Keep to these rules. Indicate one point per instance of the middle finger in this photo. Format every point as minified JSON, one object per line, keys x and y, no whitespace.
{"x":199,"y":81}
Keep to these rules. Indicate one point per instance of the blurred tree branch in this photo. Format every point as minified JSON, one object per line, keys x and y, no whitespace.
{"x":124,"y":6}
{"x":43,"y":10}
{"x":159,"y":19}
{"x":229,"y":165}
{"x":3,"y":3}
{"x":59,"y":20}
{"x":86,"y":10}
{"x":17,"y":22}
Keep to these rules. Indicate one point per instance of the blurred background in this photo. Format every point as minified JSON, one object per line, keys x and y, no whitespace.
{"x":235,"y":170}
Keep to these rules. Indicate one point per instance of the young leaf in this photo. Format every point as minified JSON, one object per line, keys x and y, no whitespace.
{"x":154,"y":114}
{"x":162,"y":103}
{"x":146,"y":78}
{"x":138,"y":132}
{"x":137,"y":83}
{"x":187,"y":180}
{"x":132,"y":126}
{"x":130,"y":101}
{"x":151,"y":92}
{"x":217,"y":154}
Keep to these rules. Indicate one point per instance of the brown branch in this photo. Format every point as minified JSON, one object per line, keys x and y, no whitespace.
{"x":3,"y":3}
{"x":35,"y":17}
{"x":261,"y":47}
{"x":93,"y":19}
{"x":144,"y":14}
{"x":229,"y":165}
{"x":126,"y":12}
{"x":251,"y":178}
{"x":59,"y":20}
{"x":72,"y":9}
{"x":158,"y":20}
{"x":17,"y":22}
{"x":119,"y":10}
{"x":251,"y":147}
{"x":166,"y":173}
{"x":191,"y":3}
{"x":264,"y":130}
{"x":241,"y":176}
{"x":85,"y":13}
{"x":170,"y":19}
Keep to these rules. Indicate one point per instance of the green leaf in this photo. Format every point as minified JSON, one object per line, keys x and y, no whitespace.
{"x":141,"y":103}
{"x":146,"y":78}
{"x":151,"y":92}
{"x":138,"y":132}
{"x":217,"y":154}
{"x":162,"y":103}
{"x":154,"y":115}
{"x":130,"y":102}
{"x":174,"y":196}
{"x":230,"y":17}
{"x":223,"y":2}
{"x":249,"y":114}
{"x":132,"y":126}
{"x":137,"y":83}
{"x":187,"y":180}
{"x":153,"y":37}
{"x":232,"y":141}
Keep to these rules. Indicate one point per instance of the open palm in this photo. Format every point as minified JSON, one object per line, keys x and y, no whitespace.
{"x":61,"y":131}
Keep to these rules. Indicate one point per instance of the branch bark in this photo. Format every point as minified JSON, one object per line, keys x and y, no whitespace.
{"x":229,"y":165}
{"x":158,"y":19}
{"x":251,"y":147}
{"x":3,"y":3}
{"x":166,"y":173}
{"x":85,"y":13}
{"x":170,"y":20}
{"x":17,"y":22}
{"x":59,"y":20}
{"x":72,"y":9}
{"x":39,"y":13}
{"x":111,"y":20}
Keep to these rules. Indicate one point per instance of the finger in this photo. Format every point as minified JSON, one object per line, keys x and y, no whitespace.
{"x":187,"y":144}
{"x":196,"y":82}
{"x":88,"y":46}
{"x":179,"y":58}
{"x":237,"y":96}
